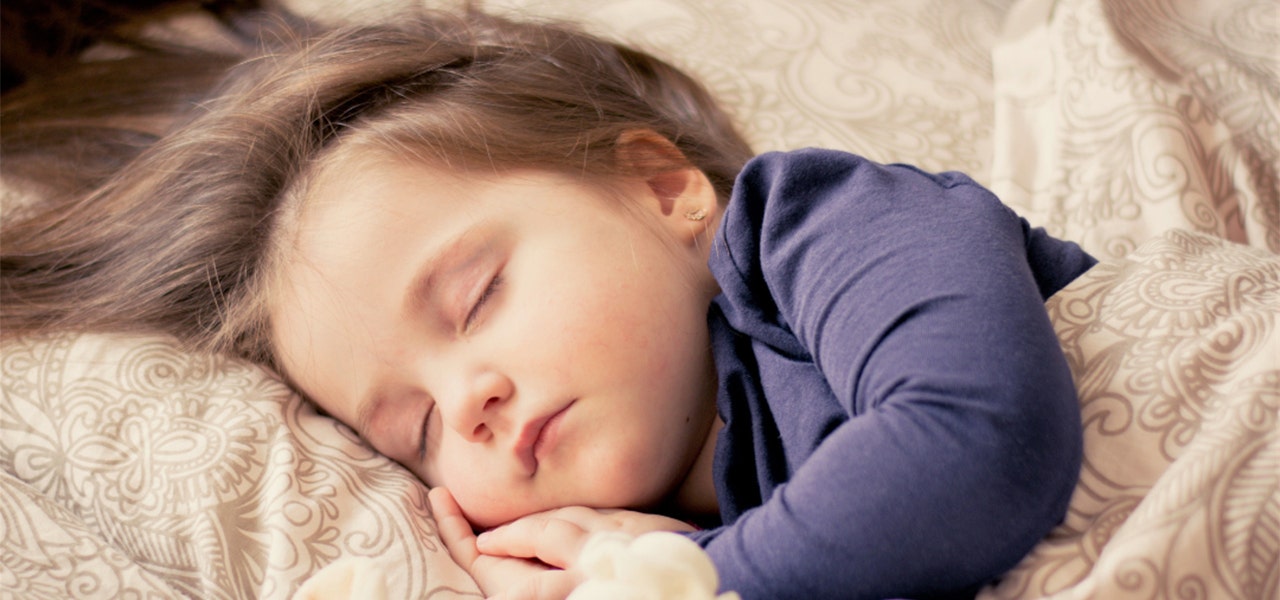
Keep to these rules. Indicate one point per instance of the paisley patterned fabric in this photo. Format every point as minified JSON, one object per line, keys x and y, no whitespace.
{"x":1176,"y":354}
{"x":133,"y":469}
{"x":1117,"y":120}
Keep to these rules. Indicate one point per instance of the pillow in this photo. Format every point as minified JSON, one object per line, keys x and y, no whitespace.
{"x":132,"y":466}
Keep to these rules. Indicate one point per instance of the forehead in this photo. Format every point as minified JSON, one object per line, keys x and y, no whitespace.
{"x":360,"y":230}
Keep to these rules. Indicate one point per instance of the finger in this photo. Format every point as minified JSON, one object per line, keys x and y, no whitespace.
{"x":551,"y":540}
{"x":590,"y":519}
{"x":455,"y":531}
{"x":613,"y":519}
{"x":552,"y":585}
{"x":498,"y":573}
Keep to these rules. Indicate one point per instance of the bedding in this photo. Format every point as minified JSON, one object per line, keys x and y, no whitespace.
{"x":1145,"y":130}
{"x":1118,"y":120}
{"x":1176,"y":354}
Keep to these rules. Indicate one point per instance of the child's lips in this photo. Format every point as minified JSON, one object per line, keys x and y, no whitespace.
{"x":538,"y":437}
{"x":549,"y":434}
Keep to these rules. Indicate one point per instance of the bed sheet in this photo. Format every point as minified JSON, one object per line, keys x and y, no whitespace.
{"x":132,"y":468}
{"x":1175,"y":351}
{"x":1118,"y":120}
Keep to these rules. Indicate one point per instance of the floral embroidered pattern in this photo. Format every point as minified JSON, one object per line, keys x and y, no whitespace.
{"x":1118,"y":120}
{"x":1176,"y":355}
{"x":130,"y":465}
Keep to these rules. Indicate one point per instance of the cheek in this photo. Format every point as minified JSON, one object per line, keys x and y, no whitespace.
{"x":566,"y":332}
{"x":609,"y":318}
{"x":484,"y":499}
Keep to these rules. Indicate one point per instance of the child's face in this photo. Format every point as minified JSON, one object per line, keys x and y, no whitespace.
{"x":549,"y":347}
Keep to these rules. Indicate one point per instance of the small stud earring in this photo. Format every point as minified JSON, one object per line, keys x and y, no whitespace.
{"x":696,"y":214}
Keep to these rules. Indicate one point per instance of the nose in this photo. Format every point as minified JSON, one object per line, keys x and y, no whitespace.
{"x":474,"y":409}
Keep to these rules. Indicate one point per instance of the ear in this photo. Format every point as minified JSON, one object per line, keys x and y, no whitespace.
{"x":680,"y":195}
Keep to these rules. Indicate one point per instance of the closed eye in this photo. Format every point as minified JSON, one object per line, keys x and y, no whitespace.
{"x":483,"y":300}
{"x":422,"y":434}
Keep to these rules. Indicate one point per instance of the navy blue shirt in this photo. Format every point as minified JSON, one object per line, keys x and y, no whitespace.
{"x":899,"y":418}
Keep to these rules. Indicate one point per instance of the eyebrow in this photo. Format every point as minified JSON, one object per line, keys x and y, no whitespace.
{"x":424,"y":282}
{"x":366,"y":412}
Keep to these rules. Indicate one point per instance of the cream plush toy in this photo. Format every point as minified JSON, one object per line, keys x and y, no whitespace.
{"x":654,"y":566}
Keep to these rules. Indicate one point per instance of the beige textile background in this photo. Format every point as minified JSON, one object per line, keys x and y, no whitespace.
{"x":1118,"y":120}
{"x":1176,"y":356}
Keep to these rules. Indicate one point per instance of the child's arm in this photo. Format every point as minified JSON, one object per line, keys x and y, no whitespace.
{"x":912,"y":296}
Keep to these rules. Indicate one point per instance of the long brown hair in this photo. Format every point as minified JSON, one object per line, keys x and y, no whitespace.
{"x":182,"y":239}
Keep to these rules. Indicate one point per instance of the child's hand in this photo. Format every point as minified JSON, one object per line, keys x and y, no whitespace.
{"x":507,"y":577}
{"x":556,"y":537}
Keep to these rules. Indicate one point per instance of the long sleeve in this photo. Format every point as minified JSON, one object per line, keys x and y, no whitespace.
{"x":911,"y":422}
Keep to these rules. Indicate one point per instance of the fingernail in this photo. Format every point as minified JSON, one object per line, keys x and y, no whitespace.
{"x":482,"y":538}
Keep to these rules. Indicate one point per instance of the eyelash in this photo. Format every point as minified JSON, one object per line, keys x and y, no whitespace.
{"x":422,"y":435}
{"x":484,"y":298}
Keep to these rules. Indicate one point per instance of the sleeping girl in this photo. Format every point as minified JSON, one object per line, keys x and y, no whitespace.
{"x":544,"y":272}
